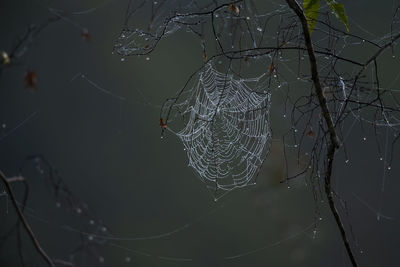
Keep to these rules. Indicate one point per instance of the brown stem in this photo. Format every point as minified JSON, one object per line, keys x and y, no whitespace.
{"x":24,"y":221}
{"x":334,"y":140}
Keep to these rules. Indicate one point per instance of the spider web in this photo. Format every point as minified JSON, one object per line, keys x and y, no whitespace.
{"x":226,"y":128}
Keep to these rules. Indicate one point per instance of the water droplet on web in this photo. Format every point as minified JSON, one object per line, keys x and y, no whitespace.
{"x":389,"y":167}
{"x":122,"y":59}
{"x":248,"y":18}
{"x":364,"y":138}
{"x":346,"y":161}
{"x":216,"y":15}
{"x":363,"y":41}
{"x":155,"y":2}
{"x":320,"y":218}
{"x":393,"y":56}
{"x":259,"y":29}
{"x":380,"y":158}
{"x":147,"y":58}
{"x":361,"y":251}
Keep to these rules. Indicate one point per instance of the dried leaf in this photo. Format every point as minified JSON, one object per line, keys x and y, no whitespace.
{"x":310,"y":133}
{"x":163,"y":124}
{"x":234,"y":8}
{"x":6,"y":58}
{"x":31,"y":80}
{"x":272,"y":68}
{"x":86,"y":34}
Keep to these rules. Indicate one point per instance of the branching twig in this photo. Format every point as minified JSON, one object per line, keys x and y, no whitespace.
{"x":25,"y":222}
{"x":334,"y":141}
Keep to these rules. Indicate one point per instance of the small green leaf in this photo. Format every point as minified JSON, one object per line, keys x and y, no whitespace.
{"x":311,"y":8}
{"x":340,"y":12}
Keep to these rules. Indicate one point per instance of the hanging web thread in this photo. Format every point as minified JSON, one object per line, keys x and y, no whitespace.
{"x":226,"y":128}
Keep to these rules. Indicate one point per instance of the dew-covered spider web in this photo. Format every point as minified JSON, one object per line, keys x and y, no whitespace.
{"x":226,"y":128}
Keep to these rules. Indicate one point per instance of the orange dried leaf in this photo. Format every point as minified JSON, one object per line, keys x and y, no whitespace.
{"x":162,"y":123}
{"x":311,"y":133}
{"x":272,"y":68}
{"x":86,"y":34}
{"x":234,"y":8}
{"x":31,"y":80}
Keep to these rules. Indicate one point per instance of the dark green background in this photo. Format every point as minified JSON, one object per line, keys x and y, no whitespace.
{"x":110,"y":154}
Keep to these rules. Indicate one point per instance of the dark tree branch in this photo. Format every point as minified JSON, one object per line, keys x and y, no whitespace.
{"x":25,"y":222}
{"x":334,"y":141}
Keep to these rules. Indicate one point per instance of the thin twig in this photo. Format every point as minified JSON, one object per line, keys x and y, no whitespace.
{"x":24,"y":221}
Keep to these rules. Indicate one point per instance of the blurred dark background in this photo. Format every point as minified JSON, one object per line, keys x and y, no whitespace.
{"x":107,"y":148}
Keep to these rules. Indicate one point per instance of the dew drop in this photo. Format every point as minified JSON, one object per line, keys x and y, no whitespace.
{"x":380,"y":158}
{"x":259,"y":29}
{"x":122,"y":59}
{"x":364,"y":138}
{"x":346,"y":161}
{"x":389,"y":167}
{"x":147,"y":58}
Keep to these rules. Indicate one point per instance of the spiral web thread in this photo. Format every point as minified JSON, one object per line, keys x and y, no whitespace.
{"x":226,"y":129}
